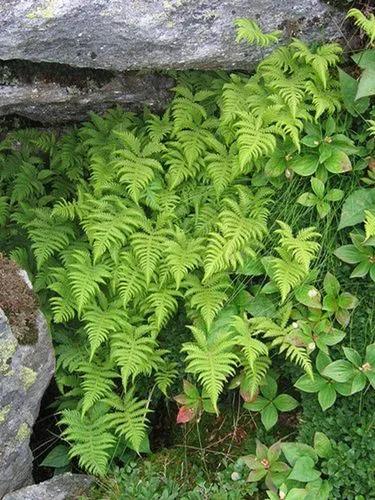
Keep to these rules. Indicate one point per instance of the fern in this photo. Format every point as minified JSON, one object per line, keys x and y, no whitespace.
{"x":127,"y":222}
{"x":48,"y":235}
{"x":165,"y":376}
{"x":207,"y":298}
{"x":148,"y":248}
{"x":369,"y":224}
{"x":85,"y":277}
{"x":283,"y":337}
{"x":135,"y":164}
{"x":252,"y":348}
{"x":129,"y":418}
{"x":253,"y":138}
{"x":133,"y":349}
{"x":97,"y":383}
{"x":212,"y":360}
{"x":248,"y":30}
{"x":90,"y":440}
{"x":367,"y":24}
{"x":101,"y":322}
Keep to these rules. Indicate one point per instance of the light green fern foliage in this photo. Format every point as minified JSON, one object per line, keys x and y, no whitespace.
{"x":128,"y":219}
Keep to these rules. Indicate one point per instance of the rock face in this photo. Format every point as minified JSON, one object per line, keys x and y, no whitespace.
{"x":58,"y":102}
{"x":63,"y":487}
{"x":25,"y":372}
{"x":152,"y":34}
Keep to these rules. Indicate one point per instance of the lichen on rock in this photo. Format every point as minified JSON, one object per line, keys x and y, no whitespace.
{"x":28,"y":377}
{"x":23,"y":432}
{"x":7,"y":349}
{"x":4,"y":412}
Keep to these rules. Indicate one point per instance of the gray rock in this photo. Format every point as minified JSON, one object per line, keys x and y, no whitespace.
{"x":25,"y":372}
{"x":152,"y":34}
{"x":60,"y":103}
{"x":63,"y":487}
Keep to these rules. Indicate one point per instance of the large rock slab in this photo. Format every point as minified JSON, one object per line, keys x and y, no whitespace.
{"x":152,"y":34}
{"x":56,"y":102}
{"x":63,"y":487}
{"x":26,"y":368}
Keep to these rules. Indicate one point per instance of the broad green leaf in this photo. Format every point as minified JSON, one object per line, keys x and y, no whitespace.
{"x":340,"y":371}
{"x":349,"y":254}
{"x":257,"y":474}
{"x":366,"y":85}
{"x":361,"y":270}
{"x":307,"y":199}
{"x":358,"y":383}
{"x":304,"y":165}
{"x":353,"y":211}
{"x":365,"y":59}
{"x":347,"y":301}
{"x":306,"y":384}
{"x":284,"y":402}
{"x":57,"y":457}
{"x":323,"y":208}
{"x":269,"y":388}
{"x":322,"y":360}
{"x":335,"y":195}
{"x":331,"y":284}
{"x":309,"y":296}
{"x":327,"y":396}
{"x":303,"y":470}
{"x":293,"y":451}
{"x":352,"y":356}
{"x":269,"y":416}
{"x":322,"y":445}
{"x":274,"y":452}
{"x":349,"y":87}
{"x":261,"y":305}
{"x":338,"y":162}
{"x":370,"y":355}
{"x":317,"y":186}
{"x":258,"y":405}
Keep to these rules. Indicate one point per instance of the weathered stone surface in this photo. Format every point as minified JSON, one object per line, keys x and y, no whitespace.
{"x":25,"y":372}
{"x":152,"y":34}
{"x":57,"y":102}
{"x":63,"y":487}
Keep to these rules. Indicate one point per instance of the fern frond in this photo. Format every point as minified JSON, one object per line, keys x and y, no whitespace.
{"x":183,"y":254}
{"x":253,"y":138}
{"x":97,"y":383}
{"x":4,"y":209}
{"x":207,"y":298}
{"x":162,"y":303}
{"x":64,"y":305}
{"x":301,"y":247}
{"x":48,"y":235}
{"x":148,"y":248}
{"x":130,"y":418}
{"x":369,"y":224}
{"x":135,"y":166}
{"x":256,"y":374}
{"x":165,"y":376}
{"x":249,"y":30}
{"x":212,"y":360}
{"x":367,"y":24}
{"x":132,"y":349}
{"x":89,"y":438}
{"x":86,"y":277}
{"x":251,"y":347}
{"x":129,"y":279}
{"x":100,"y":322}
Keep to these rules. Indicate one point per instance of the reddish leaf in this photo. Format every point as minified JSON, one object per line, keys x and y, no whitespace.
{"x":185,"y":414}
